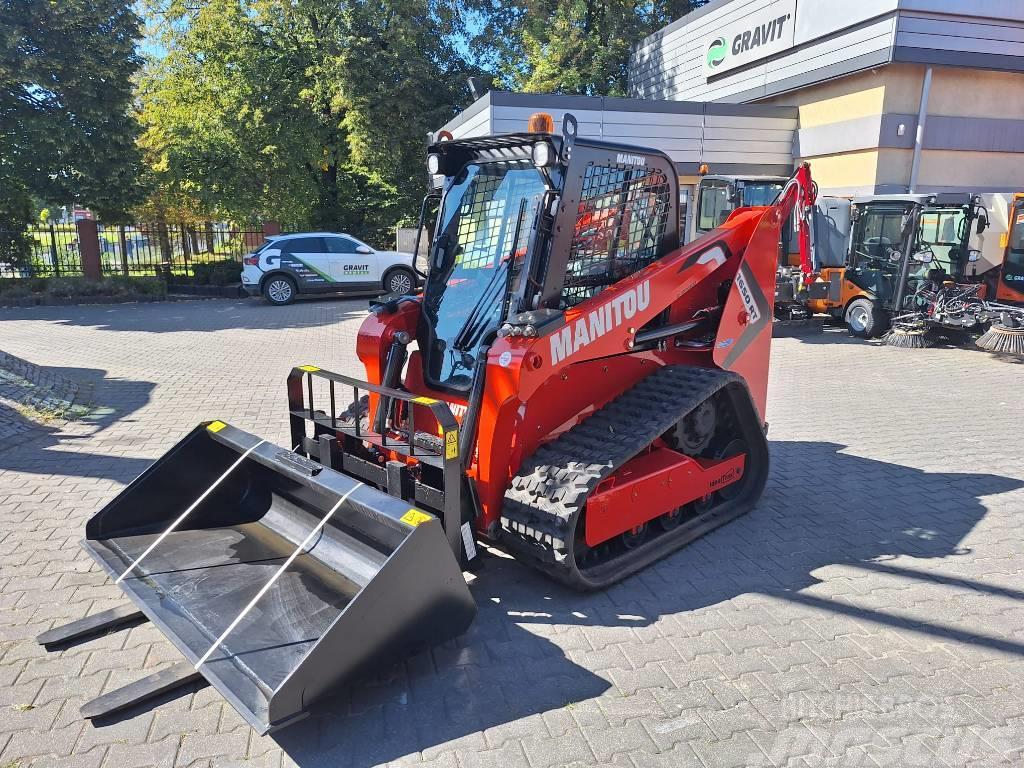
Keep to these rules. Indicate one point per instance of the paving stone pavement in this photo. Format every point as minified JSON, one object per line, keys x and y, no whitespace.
{"x":29,"y":394}
{"x":869,"y":612}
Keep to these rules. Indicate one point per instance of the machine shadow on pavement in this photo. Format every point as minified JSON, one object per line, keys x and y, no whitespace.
{"x":201,"y":315}
{"x":829,"y":334}
{"x":506,"y":668}
{"x":836,"y":334}
{"x":110,"y":400}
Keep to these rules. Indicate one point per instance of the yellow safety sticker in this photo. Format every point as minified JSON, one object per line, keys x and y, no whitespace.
{"x":424,"y":400}
{"x":451,"y":444}
{"x":216,"y":426}
{"x":414,"y":517}
{"x":309,"y":368}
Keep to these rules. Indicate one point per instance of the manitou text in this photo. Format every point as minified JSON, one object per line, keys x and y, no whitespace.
{"x":574,"y":336}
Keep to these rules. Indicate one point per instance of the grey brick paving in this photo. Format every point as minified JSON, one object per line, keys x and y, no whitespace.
{"x":869,"y":612}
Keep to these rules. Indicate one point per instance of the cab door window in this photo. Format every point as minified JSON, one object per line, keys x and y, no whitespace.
{"x":879,"y":232}
{"x":941,"y":231}
{"x":714,"y":207}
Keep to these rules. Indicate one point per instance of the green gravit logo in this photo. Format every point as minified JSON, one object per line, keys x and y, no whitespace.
{"x":716,"y":52}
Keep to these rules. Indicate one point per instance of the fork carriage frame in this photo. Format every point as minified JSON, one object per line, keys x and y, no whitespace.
{"x":426,"y":477}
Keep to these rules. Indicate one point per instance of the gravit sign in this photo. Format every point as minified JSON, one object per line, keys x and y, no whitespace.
{"x":752,"y":37}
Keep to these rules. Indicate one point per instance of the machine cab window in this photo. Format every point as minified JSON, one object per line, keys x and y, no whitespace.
{"x":713,"y":207}
{"x":484,"y":229}
{"x":941,"y":231}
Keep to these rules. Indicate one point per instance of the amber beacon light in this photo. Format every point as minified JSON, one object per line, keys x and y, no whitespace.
{"x":540,"y":122}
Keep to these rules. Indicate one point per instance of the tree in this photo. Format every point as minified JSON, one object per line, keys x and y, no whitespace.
{"x":573,"y":46}
{"x":66,"y":129}
{"x":313,"y":111}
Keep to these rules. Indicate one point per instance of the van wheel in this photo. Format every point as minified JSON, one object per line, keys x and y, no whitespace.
{"x":279,"y":290}
{"x":865,"y":319}
{"x":399,"y":281}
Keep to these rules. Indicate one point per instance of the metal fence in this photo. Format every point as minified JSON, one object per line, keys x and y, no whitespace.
{"x":150,"y":249}
{"x":137,"y":250}
{"x":53,"y":251}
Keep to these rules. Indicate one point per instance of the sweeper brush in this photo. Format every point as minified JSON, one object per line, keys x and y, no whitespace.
{"x":1003,"y":339}
{"x":907,"y":336}
{"x":583,"y":392}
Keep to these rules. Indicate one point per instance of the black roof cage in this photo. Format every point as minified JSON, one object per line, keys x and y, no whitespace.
{"x":502,"y":147}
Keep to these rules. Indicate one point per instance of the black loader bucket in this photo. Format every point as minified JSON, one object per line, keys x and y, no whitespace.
{"x":276,"y":577}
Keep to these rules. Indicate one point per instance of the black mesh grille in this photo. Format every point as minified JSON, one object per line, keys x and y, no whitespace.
{"x":622,"y":217}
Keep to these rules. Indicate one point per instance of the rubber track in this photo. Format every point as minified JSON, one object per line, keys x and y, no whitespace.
{"x":546,"y":497}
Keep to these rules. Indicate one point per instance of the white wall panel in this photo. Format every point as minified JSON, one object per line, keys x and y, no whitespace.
{"x":992,"y":9}
{"x":818,"y":18}
{"x":477,"y":125}
{"x":688,"y":136}
{"x":832,"y":38}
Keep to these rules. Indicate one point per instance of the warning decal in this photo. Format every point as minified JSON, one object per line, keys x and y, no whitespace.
{"x":414,"y":517}
{"x":451,"y":444}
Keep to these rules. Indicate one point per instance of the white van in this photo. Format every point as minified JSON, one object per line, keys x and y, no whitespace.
{"x":323,"y":262}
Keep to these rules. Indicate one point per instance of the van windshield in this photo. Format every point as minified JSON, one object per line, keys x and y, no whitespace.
{"x":483,"y":229}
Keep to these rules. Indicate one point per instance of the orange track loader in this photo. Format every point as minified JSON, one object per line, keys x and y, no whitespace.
{"x":571,"y":386}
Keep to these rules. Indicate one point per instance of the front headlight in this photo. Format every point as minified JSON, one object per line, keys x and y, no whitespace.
{"x":543,"y":154}
{"x":433,"y":164}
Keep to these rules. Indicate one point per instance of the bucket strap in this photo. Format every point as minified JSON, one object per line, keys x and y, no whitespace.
{"x":277,"y":574}
{"x":187,"y":512}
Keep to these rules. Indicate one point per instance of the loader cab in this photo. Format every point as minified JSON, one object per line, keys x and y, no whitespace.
{"x":877,"y":245}
{"x":719,"y":195}
{"x":533,"y":221}
{"x":941,"y":228}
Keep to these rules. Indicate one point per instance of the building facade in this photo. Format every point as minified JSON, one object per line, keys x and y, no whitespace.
{"x":891,"y":95}
{"x":736,"y":139}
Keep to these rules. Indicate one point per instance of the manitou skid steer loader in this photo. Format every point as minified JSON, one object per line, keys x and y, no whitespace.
{"x":581,"y":392}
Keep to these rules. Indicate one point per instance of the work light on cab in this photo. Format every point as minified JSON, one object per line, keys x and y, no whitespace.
{"x":543,"y":154}
{"x":433,"y":164}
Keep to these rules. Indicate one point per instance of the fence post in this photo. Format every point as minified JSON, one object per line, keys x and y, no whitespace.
{"x":89,"y":248}
{"x":124,"y":250}
{"x":186,"y":250}
{"x":53,"y":251}
{"x":270,"y":229}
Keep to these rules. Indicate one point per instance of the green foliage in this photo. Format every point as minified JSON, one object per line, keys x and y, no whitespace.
{"x":66,"y":130}
{"x":80,"y":287}
{"x":573,"y":46}
{"x":313,"y":111}
{"x":224,"y":272}
{"x":15,"y":215}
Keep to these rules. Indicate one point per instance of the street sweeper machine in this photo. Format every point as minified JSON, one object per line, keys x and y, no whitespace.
{"x":913,"y":271}
{"x":571,"y":386}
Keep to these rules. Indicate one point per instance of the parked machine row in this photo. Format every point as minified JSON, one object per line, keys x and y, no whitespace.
{"x":892,"y":265}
